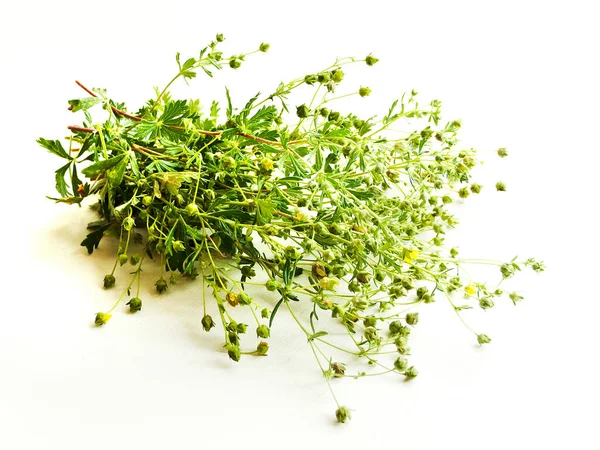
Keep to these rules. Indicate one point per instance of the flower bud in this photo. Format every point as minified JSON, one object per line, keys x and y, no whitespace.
{"x":228,"y":163}
{"x":310,"y":79}
{"x":147,"y":200}
{"x":500,"y":186}
{"x":161,"y":286}
{"x":483,"y":339}
{"x":272,"y":285}
{"x":323,"y":112}
{"x":338,"y":75}
{"x":192,"y":209}
{"x":324,"y":77}
{"x":123,"y":258}
{"x":232,"y":298}
{"x":370,"y":321}
{"x":371,"y":335}
{"x":241,"y":328}
{"x":178,"y":246}
{"x":328,"y":283}
{"x":235,"y":63}
{"x":400,"y":364}
{"x":262,"y":348}
{"x":342,"y":414}
{"x":354,"y":286}
{"x":135,"y":305}
{"x":220,"y":37}
{"x":334,"y":116}
{"x":244,"y":299}
{"x":363,"y":277}
{"x":233,"y":338}
{"x":102,"y":318}
{"x":128,"y":223}
{"x":109,"y":281}
{"x":463,"y":193}
{"x":207,"y":323}
{"x":486,"y":303}
{"x":412,"y":318}
{"x":338,"y":368}
{"x":364,"y":91}
{"x":411,"y":373}
{"x":234,"y":352}
{"x":371,"y":60}
{"x":476,"y":188}
{"x":502,"y":153}
{"x":264,"y":47}
{"x":134,"y":260}
{"x":265,"y":313}
{"x":302,"y":111}
{"x":263,"y":331}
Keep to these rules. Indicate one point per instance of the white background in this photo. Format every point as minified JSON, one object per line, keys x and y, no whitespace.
{"x":521,"y":75}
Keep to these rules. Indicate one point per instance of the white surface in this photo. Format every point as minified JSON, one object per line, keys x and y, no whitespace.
{"x":522,"y":75}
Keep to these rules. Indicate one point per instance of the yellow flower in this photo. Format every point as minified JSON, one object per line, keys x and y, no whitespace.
{"x":408,"y":257}
{"x":470,"y":290}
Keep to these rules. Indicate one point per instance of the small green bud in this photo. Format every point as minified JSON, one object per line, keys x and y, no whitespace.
{"x":178,"y":246}
{"x":486,"y":303}
{"x":123,"y":258}
{"x":265,"y":313}
{"x":235,"y":63}
{"x":134,"y":260}
{"x":192,"y":209}
{"x":323,"y":112}
{"x":334,"y":116}
{"x":500,"y":186}
{"x":262,"y":348}
{"x":483,"y":339}
{"x":234,"y":352}
{"x":220,"y":37}
{"x":109,"y":281}
{"x":395,"y":327}
{"x":370,"y":321}
{"x":272,"y":285}
{"x":147,"y":200}
{"x":476,"y":188}
{"x":135,"y":305}
{"x":233,"y":338}
{"x":128,"y":223}
{"x":453,"y":252}
{"x":263,"y":331}
{"x":228,"y":163}
{"x":412,"y":318}
{"x":241,"y":328}
{"x":244,"y":299}
{"x":338,"y":368}
{"x":207,"y":323}
{"x":102,"y":318}
{"x":342,"y":414}
{"x":371,"y":60}
{"x":363,"y":277}
{"x":161,"y":286}
{"x":502,"y":153}
{"x":411,"y":373}
{"x":364,"y":91}
{"x":310,"y":79}
{"x":371,"y":335}
{"x":446,"y":199}
{"x":338,"y":75}
{"x":400,"y":364}
{"x":302,"y":111}
{"x":354,"y":286}
{"x":515,"y":297}
{"x":463,"y":193}
{"x":264,"y":47}
{"x":324,"y":77}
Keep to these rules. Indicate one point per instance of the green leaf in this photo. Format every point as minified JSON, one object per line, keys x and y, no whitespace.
{"x":102,"y":166}
{"x":61,"y":185}
{"x":229,"y":106}
{"x":83,"y":104}
{"x":75,"y":181}
{"x":115,"y":174}
{"x":67,"y":200}
{"x":54,"y":147}
{"x":92,"y":240}
{"x":264,"y":211}
{"x":275,"y":312}
{"x":318,"y":334}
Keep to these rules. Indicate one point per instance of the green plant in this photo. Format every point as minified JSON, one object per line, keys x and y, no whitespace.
{"x":337,"y":214}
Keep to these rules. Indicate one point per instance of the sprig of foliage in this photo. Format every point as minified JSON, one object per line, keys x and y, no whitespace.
{"x":340,"y":215}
